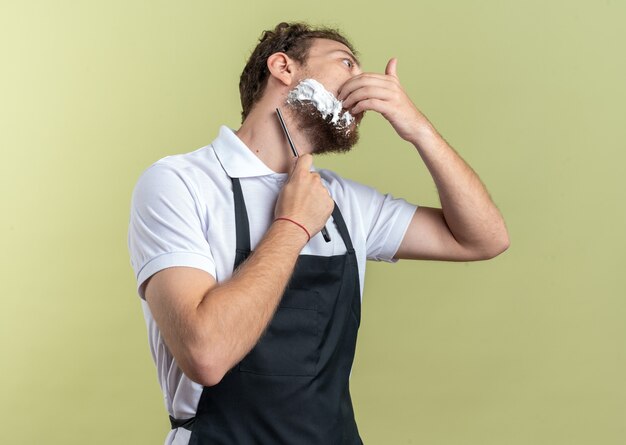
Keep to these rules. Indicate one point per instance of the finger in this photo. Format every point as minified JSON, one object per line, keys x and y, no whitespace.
{"x":367,"y":93}
{"x":303,"y":163}
{"x":392,"y":66}
{"x":381,"y":106}
{"x":357,"y":82}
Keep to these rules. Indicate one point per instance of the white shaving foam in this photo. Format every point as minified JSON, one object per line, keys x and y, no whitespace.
{"x":310,"y":90}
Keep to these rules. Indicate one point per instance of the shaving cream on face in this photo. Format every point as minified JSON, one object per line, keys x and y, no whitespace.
{"x":310,"y":90}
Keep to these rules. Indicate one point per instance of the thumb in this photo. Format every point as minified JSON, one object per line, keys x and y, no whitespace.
{"x":302,"y":162}
{"x":392,"y":67}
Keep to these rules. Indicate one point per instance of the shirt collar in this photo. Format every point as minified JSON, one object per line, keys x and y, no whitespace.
{"x":237,"y":159}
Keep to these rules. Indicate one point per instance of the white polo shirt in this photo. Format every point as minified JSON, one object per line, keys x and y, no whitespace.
{"x":182,"y":214}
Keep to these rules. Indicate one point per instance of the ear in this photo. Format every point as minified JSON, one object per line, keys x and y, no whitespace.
{"x":282,"y":67}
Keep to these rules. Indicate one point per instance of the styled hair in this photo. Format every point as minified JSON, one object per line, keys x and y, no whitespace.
{"x":293,"y":39}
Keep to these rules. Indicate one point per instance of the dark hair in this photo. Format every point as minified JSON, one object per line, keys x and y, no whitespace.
{"x":294,"y":39}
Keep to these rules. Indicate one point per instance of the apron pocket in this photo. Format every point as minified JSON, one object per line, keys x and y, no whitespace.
{"x":290,"y":345}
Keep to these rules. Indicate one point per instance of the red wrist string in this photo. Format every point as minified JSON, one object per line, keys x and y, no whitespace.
{"x":298,"y":224}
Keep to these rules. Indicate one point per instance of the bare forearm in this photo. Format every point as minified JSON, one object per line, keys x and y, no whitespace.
{"x":209,"y":326}
{"x":235,"y":313}
{"x":471,"y":215}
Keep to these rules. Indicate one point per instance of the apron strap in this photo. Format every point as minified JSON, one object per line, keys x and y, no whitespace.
{"x":242,"y":225}
{"x":343,"y":229}
{"x":182,"y":423}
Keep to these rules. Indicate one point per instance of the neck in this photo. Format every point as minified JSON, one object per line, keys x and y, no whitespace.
{"x":262,"y":133}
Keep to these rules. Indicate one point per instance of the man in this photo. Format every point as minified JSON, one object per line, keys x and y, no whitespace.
{"x":252,"y":315}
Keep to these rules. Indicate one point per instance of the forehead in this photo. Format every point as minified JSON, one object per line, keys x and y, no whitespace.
{"x":328,"y":47}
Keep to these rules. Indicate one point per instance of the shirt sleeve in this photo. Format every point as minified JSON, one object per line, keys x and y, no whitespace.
{"x":385,"y":221}
{"x":166,"y":228}
{"x":390,"y":220}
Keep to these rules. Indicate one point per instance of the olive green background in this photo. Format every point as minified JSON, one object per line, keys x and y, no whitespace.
{"x":528,"y":348}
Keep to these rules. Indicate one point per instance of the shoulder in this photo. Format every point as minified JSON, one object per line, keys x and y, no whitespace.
{"x":345,"y":188}
{"x":174,"y":173}
{"x":184,"y":164}
{"x":335,"y":180}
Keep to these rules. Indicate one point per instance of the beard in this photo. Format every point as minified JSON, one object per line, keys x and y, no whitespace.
{"x":325,"y":136}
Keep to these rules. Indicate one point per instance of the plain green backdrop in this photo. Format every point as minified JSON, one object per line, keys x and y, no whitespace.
{"x":528,"y":348}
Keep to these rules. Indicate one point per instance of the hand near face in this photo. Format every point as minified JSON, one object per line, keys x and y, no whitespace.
{"x":384,"y":94}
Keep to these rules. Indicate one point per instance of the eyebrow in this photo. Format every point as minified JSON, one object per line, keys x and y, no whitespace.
{"x":352,"y":56}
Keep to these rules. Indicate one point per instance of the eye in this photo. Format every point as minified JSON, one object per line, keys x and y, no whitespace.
{"x":350,"y":64}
